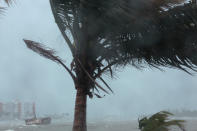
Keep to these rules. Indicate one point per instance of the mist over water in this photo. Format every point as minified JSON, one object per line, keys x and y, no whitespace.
{"x":25,"y":76}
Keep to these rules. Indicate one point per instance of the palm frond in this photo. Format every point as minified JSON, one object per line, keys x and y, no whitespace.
{"x":159,"y":122}
{"x":170,"y":40}
{"x":47,"y":53}
{"x":42,"y":50}
{"x":132,"y":32}
{"x":105,"y":83}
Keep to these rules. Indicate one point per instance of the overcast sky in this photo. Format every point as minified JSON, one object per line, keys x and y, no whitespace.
{"x":25,"y":76}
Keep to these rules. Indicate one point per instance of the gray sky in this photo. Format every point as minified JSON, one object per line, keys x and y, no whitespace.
{"x":26,"y":76}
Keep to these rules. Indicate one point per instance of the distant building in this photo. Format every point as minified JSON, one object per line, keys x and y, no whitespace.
{"x":16,"y":110}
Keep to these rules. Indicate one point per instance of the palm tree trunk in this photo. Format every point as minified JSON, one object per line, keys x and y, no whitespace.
{"x":79,"y":123}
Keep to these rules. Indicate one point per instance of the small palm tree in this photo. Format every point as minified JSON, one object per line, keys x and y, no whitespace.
{"x":159,"y":122}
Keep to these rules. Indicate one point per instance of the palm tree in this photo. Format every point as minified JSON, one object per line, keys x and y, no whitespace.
{"x":108,"y":34}
{"x":159,"y":122}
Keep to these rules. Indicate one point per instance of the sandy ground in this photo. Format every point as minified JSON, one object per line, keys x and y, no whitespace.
{"x":191,"y":125}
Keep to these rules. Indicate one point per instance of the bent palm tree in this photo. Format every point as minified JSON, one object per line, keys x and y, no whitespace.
{"x":159,"y":122}
{"x":106,"y":34}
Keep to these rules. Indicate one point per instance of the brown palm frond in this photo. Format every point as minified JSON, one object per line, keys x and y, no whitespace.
{"x":47,"y":53}
{"x":105,"y":83}
{"x":42,"y":50}
{"x":98,"y":96}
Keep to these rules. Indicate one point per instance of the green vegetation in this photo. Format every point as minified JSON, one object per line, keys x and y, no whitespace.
{"x":159,"y":122}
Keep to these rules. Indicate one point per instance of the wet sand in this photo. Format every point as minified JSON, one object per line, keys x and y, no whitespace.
{"x":191,"y":125}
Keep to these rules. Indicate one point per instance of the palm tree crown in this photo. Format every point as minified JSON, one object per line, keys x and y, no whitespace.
{"x":121,"y":32}
{"x":106,"y":34}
